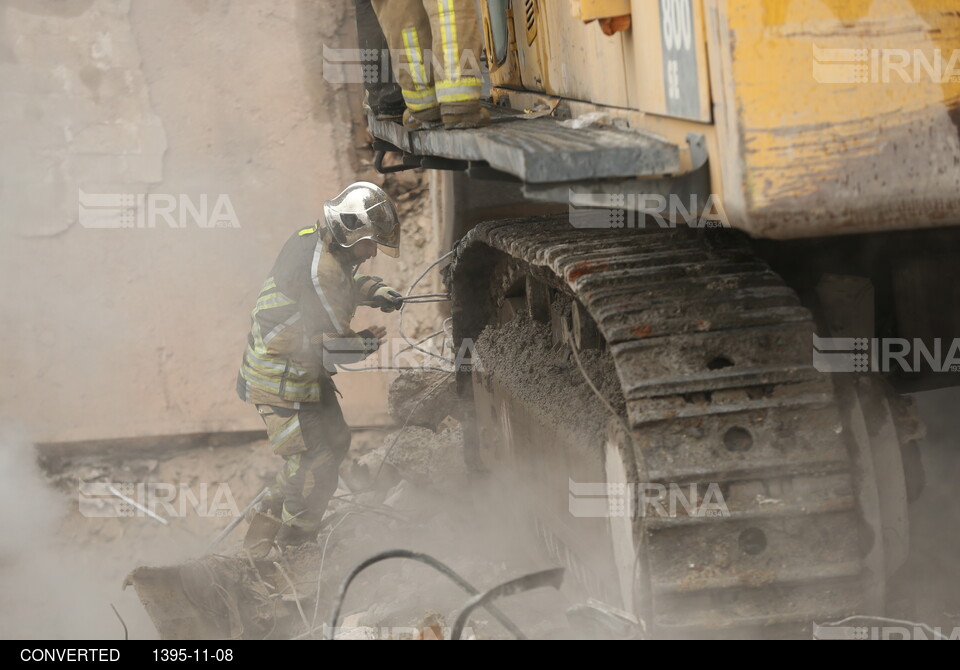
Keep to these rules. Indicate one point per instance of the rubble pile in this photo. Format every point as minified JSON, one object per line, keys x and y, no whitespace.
{"x":423,"y":398}
{"x":409,"y":492}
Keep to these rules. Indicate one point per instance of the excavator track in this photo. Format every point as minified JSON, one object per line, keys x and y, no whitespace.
{"x":713,"y":356}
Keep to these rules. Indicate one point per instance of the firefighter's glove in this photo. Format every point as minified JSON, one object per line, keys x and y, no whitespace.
{"x":387,"y":299}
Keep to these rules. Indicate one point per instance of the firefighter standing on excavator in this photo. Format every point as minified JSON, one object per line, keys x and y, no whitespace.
{"x":300,"y":332}
{"x":435,"y":48}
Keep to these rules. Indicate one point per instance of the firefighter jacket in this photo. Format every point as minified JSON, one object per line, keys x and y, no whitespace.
{"x":300,"y":326}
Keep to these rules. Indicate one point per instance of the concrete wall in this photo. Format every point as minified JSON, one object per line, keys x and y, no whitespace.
{"x":139,"y":331}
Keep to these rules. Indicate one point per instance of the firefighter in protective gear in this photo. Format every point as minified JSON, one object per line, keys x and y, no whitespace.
{"x":435,"y":47}
{"x":300,"y":332}
{"x":383,"y":97}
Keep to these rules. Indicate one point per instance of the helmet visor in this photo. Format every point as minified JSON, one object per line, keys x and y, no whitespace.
{"x":383,"y":220}
{"x":393,"y":252}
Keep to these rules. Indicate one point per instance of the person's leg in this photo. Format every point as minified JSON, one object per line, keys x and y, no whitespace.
{"x":407,"y":29}
{"x":383,"y":93}
{"x":285,"y":442}
{"x":285,"y":431}
{"x":324,"y":427}
{"x":313,"y":442}
{"x":457,"y":45}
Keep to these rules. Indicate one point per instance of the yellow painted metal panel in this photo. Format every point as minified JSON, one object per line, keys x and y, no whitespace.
{"x":601,"y":9}
{"x":841,"y":115}
{"x":578,"y":60}
{"x":644,"y":59}
{"x":658,"y":66}
{"x":666,"y":59}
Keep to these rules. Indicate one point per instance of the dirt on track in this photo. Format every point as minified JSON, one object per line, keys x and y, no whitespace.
{"x":521,"y":350}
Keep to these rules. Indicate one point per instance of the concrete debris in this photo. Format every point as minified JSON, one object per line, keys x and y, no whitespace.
{"x":430,"y":626}
{"x":447,"y":424}
{"x":289,"y":593}
{"x":369,"y":473}
{"x":403,"y":497}
{"x":586,"y":121}
{"x":421,"y":499}
{"x":357,"y":633}
{"x":354,"y":629}
{"x":412,"y":387}
{"x":428,"y":459}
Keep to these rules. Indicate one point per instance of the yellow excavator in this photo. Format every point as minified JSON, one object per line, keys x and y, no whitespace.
{"x":706,"y":245}
{"x":701,"y":253}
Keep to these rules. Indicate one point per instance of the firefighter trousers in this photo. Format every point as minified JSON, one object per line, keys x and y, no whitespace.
{"x":383,"y":93}
{"x":313,"y":441}
{"x":435,"y":48}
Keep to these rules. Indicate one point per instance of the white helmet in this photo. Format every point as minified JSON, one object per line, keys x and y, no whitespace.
{"x":364,"y":212}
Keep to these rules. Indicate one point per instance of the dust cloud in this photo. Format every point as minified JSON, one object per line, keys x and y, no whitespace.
{"x":927,"y":588}
{"x":61,"y":569}
{"x":51,"y":587}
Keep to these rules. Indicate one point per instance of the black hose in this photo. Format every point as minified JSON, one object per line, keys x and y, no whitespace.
{"x":422,"y":558}
{"x":552,"y":577}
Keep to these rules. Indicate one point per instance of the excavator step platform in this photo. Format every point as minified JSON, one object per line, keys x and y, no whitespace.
{"x":540,"y":150}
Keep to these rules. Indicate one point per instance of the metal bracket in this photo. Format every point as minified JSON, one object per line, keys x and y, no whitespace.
{"x":378,"y":164}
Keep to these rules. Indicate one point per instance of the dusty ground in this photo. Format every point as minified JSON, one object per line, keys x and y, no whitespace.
{"x":406,"y":489}
{"x":60,"y":571}
{"x":927,"y":588}
{"x":419,"y":499}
